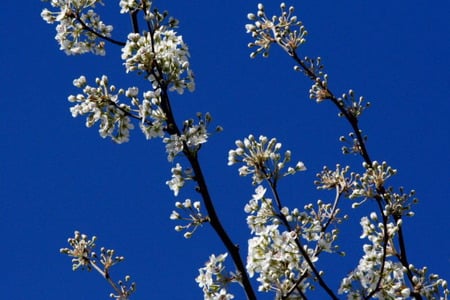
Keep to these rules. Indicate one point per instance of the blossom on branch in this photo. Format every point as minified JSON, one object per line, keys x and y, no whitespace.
{"x":262,"y":159}
{"x":101,"y":104}
{"x":285,"y":243}
{"x":82,"y":251}
{"x":194,"y":216}
{"x":78,"y":32}
{"x":285,"y":30}
{"x":162,"y":56}
{"x":365,"y":279}
{"x":191,"y":139}
{"x":212,"y":279}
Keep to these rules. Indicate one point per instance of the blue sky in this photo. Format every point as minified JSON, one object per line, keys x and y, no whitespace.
{"x":57,"y":176}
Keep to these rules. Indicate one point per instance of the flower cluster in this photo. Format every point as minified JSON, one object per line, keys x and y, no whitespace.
{"x":431,"y":286}
{"x":178,"y":179}
{"x":314,"y":224}
{"x":319,"y":90}
{"x":399,"y":204}
{"x":375,"y":270}
{"x":212,"y":279}
{"x":354,"y":106}
{"x":152,"y":116}
{"x":335,"y":179}
{"x":260,"y":210}
{"x":101,"y":103}
{"x":195,"y":218}
{"x":124,"y":289}
{"x":82,"y":250}
{"x":351,"y":144}
{"x":193,"y":136}
{"x":78,"y":32}
{"x":276,"y":255}
{"x":285,"y":30}
{"x":84,"y":256}
{"x":368,"y":184}
{"x":127,"y":6}
{"x":162,"y":56}
{"x":262,"y":159}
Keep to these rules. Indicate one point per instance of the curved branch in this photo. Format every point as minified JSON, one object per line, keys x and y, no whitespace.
{"x":303,"y":252}
{"x":172,"y":128}
{"x":353,"y":121}
{"x":99,"y":35}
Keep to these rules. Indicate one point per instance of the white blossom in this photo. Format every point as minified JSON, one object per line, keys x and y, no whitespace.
{"x":190,"y":213}
{"x":174,"y":145}
{"x":100,"y":104}
{"x":72,"y":35}
{"x":262,"y":159}
{"x":161,"y":56}
{"x":127,"y":6}
{"x":212,"y":279}
{"x":285,"y":30}
{"x":364,"y":279}
{"x":177,"y":181}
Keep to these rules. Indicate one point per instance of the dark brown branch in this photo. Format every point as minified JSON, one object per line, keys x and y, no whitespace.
{"x":101,"y":36}
{"x":303,"y":252}
{"x":134,"y":21}
{"x":172,"y":128}
{"x":365,"y":154}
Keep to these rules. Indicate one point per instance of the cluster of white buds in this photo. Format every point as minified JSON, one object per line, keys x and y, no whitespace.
{"x":83,"y":255}
{"x":399,"y":204}
{"x":125,"y":289}
{"x":82,"y":250}
{"x":352,"y":144}
{"x":262,"y":159}
{"x":285,"y":30}
{"x":213,"y":280}
{"x":335,"y":179}
{"x":319,"y":90}
{"x":78,"y":32}
{"x":194,"y":216}
{"x":355,"y":106}
{"x":429,"y":285}
{"x":101,"y":103}
{"x":368,"y":184}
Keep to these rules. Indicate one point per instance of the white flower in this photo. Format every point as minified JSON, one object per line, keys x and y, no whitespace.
{"x":192,"y":215}
{"x":162,"y":55}
{"x":212,"y":279}
{"x":262,"y":158}
{"x":100,"y":104}
{"x":285,"y":30}
{"x":364,"y":279}
{"x":131,"y":5}
{"x":174,"y":145}
{"x":275,"y":257}
{"x":177,"y":181}
{"x":72,"y":35}
{"x":196,"y":135}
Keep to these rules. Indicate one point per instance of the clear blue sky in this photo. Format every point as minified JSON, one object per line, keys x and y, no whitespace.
{"x":57,"y":176}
